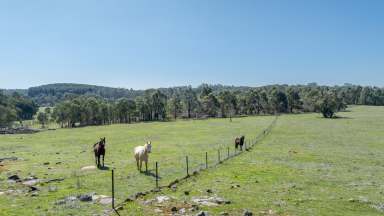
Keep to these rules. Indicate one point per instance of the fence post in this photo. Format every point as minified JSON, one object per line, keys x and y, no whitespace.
{"x":186,"y":160}
{"x":228,"y":152}
{"x":113,"y":189}
{"x":206,"y":160}
{"x":157,"y":175}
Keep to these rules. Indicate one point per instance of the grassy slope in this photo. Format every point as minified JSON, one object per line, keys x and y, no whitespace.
{"x":73,"y":148}
{"x":307,"y":166}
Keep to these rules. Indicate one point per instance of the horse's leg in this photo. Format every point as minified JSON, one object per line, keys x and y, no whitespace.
{"x":103,"y":159}
{"x":98,"y":161}
{"x":137,"y":163}
{"x":146,"y":165}
{"x":141,"y":163}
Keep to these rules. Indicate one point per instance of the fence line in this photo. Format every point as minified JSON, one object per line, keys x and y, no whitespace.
{"x":204,"y":164}
{"x":164,"y":173}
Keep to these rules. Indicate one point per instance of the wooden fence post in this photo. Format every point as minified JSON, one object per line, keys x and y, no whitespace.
{"x":227,"y":152}
{"x":157,"y":175}
{"x":186,"y":160}
{"x":113,"y":189}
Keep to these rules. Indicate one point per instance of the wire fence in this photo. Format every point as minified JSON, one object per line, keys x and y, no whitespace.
{"x":120,"y":185}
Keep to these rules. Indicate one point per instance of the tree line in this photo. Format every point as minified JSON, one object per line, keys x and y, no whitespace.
{"x":15,"y":107}
{"x":210,"y":101}
{"x":79,"y":107}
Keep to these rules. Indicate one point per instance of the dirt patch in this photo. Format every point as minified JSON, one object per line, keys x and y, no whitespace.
{"x":2,"y":168}
{"x":86,"y":168}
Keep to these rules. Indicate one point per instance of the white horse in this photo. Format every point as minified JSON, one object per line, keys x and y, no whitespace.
{"x":141,"y":154}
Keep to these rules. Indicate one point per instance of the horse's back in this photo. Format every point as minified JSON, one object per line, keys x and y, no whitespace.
{"x":138,"y":150}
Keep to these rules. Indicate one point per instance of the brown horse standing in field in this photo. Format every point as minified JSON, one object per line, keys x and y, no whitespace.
{"x":99,"y":149}
{"x":239,"y":142}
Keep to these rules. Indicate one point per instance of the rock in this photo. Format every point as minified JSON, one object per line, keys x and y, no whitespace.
{"x":2,"y":193}
{"x":11,"y":181}
{"x":157,"y":210}
{"x":182,"y":211}
{"x":106,"y":201}
{"x":161,"y":199}
{"x":247,"y":213}
{"x":186,"y":193}
{"x":46,"y":163}
{"x":174,"y":209}
{"x":86,"y":168}
{"x":202,"y":213}
{"x":59,"y":162}
{"x":14,"y":178}
{"x":174,"y":187}
{"x":210,"y":201}
{"x":31,"y":182}
{"x":209,"y":191}
{"x":71,"y":198}
{"x":98,"y":197}
{"x":35,"y":194}
{"x":85,"y":197}
{"x":148,"y":202}
{"x":378,"y":207}
{"x":30,"y":178}
{"x":8,"y":159}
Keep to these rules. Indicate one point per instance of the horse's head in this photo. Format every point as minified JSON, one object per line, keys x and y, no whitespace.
{"x":102,"y":142}
{"x":148,"y":147}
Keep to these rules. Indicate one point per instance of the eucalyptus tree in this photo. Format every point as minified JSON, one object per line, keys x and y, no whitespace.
{"x":175,"y":105}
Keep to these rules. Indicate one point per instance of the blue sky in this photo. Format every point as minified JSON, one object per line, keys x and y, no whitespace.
{"x":141,"y":44}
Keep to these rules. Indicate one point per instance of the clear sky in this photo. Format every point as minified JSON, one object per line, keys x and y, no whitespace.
{"x":160,"y":43}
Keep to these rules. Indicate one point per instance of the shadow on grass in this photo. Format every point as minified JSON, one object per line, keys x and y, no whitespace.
{"x":104,"y":168}
{"x":150,"y":173}
{"x":335,"y":117}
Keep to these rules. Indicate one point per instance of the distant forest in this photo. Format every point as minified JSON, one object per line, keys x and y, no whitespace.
{"x":79,"y":104}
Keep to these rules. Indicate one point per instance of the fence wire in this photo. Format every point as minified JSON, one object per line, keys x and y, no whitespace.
{"x":128,"y":184}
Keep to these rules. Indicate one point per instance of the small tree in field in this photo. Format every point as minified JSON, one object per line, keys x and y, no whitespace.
{"x":327,"y":106}
{"x":42,"y":118}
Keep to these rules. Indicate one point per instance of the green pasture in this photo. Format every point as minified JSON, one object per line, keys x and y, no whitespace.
{"x":308,"y":165}
{"x":61,"y":153}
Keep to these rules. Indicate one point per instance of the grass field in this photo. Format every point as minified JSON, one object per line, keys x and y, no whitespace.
{"x":61,"y":153}
{"x":307,"y":165}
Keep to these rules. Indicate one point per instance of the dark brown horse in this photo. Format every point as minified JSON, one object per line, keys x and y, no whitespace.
{"x":99,"y":149}
{"x":239,"y":142}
